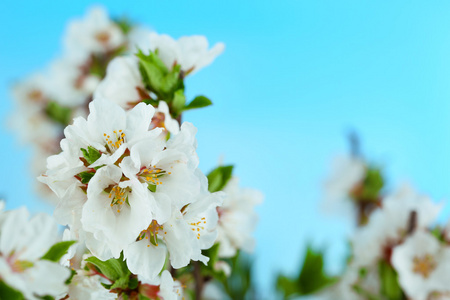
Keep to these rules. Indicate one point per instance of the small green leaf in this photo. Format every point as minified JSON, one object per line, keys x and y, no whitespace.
{"x":7,"y":292}
{"x":178,"y":101}
{"x":86,"y":176}
{"x":219,"y":177}
{"x":389,"y":282}
{"x":121,"y":283}
{"x":157,"y":78}
{"x":288,"y":286}
{"x":311,"y":278}
{"x":91,"y":154}
{"x":151,"y":187}
{"x":198,"y":102}
{"x":58,"y":113}
{"x":57,"y":251}
{"x":373,"y":183}
{"x":151,"y":102}
{"x":113,"y":268}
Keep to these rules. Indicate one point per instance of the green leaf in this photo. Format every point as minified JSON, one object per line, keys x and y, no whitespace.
{"x":121,"y":283}
{"x":57,"y":251}
{"x":198,"y":102}
{"x":389,"y":282}
{"x":311,"y":278}
{"x":86,"y":176}
{"x":287,"y":285}
{"x":219,"y":177}
{"x":58,"y":113}
{"x":113,"y":268}
{"x":91,"y":154}
{"x":239,"y":284}
{"x":151,"y":187}
{"x":7,"y":292}
{"x":373,"y":183}
{"x":178,"y":101}
{"x":157,"y":77}
{"x":124,"y":24}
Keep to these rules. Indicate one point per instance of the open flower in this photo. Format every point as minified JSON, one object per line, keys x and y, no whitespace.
{"x":401,"y":214}
{"x":23,"y":242}
{"x":190,"y":52}
{"x":237,"y":219}
{"x":122,"y":82}
{"x":115,"y":211}
{"x":184,"y":235}
{"x":96,"y":33}
{"x":347,"y":173}
{"x":162,"y":287}
{"x":123,"y":85}
{"x":423,"y":265}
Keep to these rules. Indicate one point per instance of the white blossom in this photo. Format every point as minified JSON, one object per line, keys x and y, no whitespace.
{"x":190,"y":52}
{"x":347,"y":173}
{"x":122,"y":82}
{"x":237,"y":219}
{"x":423,"y":265}
{"x":23,"y":242}
{"x":388,"y":225}
{"x":95,"y":33}
{"x":183,"y":236}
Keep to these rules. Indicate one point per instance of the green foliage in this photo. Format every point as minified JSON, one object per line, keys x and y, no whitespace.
{"x":239,"y":284}
{"x":115,"y":269}
{"x":373,"y":183}
{"x":219,"y":177}
{"x":198,"y":102}
{"x":124,"y":24}
{"x":209,"y":270}
{"x":91,"y":154}
{"x":58,"y":113}
{"x":151,"y":187}
{"x":311,"y":278}
{"x":57,"y":251}
{"x":157,"y":78}
{"x":390,"y":286}
{"x":179,"y":101}
{"x":167,"y":85}
{"x":7,"y":292}
{"x":86,"y":176}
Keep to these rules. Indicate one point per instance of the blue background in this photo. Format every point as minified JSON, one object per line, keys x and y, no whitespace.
{"x":295,"y":77}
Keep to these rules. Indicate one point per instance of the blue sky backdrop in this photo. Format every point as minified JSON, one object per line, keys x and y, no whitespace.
{"x":294,"y":78}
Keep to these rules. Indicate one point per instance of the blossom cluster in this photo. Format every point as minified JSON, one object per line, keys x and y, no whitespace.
{"x":138,"y":211}
{"x":398,"y":250}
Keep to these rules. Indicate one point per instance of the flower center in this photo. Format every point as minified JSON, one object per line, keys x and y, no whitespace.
{"x":103,"y":37}
{"x":197,"y":227}
{"x":35,"y":95}
{"x":152,"y":175}
{"x":424,"y":265}
{"x":119,"y":196}
{"x":118,"y":139}
{"x":16,"y":265}
{"x":158,"y":120}
{"x":151,"y":233}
